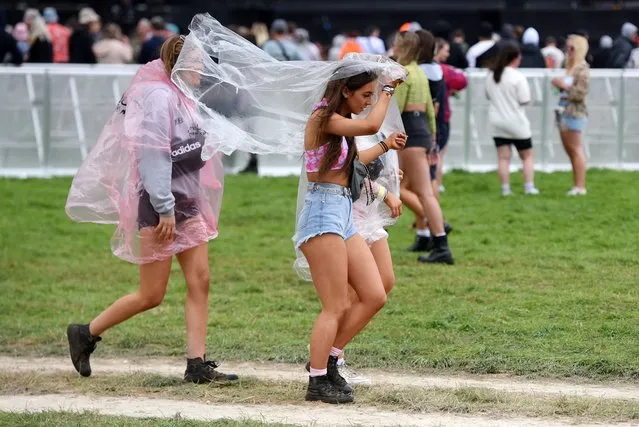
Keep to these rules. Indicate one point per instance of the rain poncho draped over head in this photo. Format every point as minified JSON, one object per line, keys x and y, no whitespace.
{"x":147,"y":162}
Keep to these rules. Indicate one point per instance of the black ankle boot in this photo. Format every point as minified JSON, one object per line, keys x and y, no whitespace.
{"x":422,"y":244}
{"x":200,"y":371}
{"x":81,"y":345}
{"x":441,"y":253}
{"x":321,"y":388}
{"x":334,"y":376}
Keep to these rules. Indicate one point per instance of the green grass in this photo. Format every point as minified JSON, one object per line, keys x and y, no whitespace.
{"x":66,"y":419}
{"x":249,"y":391}
{"x":543,"y":286}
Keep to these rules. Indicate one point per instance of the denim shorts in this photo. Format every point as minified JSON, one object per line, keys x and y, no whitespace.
{"x":328,"y":209}
{"x":574,"y":124}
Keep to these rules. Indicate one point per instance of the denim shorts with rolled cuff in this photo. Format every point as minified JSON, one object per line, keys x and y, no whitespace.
{"x":328,"y":209}
{"x":573,"y":124}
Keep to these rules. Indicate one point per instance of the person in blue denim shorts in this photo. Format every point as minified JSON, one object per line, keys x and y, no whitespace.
{"x":572,"y":112}
{"x":337,"y":255}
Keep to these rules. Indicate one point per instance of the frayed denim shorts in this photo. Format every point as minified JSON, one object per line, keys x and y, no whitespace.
{"x":574,"y":124}
{"x":328,"y":209}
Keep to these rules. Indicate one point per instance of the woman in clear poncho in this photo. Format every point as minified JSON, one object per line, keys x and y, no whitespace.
{"x":337,"y":255}
{"x":268,"y":112}
{"x":372,"y":214}
{"x":146,"y":175}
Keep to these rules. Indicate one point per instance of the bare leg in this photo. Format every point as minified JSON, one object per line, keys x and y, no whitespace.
{"x":528,"y":160}
{"x":503,"y":167}
{"x":364,"y":277}
{"x":154,"y":278}
{"x":332,"y":287}
{"x":195,"y":266}
{"x":575,"y":150}
{"x":382,"y":255}
{"x":415,"y":166}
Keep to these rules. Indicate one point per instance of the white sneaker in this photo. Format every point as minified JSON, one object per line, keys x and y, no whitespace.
{"x":532,"y":192}
{"x":353,"y":377}
{"x":576,"y":191}
{"x":442,"y":189}
{"x":506,"y":193}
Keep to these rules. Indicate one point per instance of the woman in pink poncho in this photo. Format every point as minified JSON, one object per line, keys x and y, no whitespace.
{"x":146,"y":175}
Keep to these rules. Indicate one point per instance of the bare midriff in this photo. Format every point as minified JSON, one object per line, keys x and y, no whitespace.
{"x":330,"y":177}
{"x":420,"y":108}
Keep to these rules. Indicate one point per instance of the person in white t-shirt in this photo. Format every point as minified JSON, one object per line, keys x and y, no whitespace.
{"x":553,"y":56}
{"x":508,"y":91}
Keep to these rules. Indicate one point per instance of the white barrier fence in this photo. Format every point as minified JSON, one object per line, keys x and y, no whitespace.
{"x":50,"y":117}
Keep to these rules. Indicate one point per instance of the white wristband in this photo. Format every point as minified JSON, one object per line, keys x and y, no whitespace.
{"x":381,"y":193}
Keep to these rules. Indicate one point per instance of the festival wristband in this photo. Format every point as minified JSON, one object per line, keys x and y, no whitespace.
{"x":381,"y":192}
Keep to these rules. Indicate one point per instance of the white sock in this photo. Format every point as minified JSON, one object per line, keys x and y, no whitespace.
{"x":318,"y":372}
{"x":424,"y":232}
{"x":505,"y":188}
{"x":529,"y":186}
{"x":335,"y":352}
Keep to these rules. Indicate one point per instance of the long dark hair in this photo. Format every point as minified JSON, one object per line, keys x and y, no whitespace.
{"x":508,"y":52}
{"x":426,"y":47}
{"x":334,"y":98}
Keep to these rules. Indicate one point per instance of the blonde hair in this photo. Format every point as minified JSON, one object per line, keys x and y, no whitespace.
{"x":170,"y":52}
{"x":37,"y":27}
{"x":581,"y":50}
{"x":406,"y":47}
{"x":260,"y":31}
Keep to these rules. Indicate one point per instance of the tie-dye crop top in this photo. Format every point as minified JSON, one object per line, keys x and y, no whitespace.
{"x":314,"y":157}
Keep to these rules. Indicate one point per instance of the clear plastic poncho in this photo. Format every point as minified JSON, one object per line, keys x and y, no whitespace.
{"x":149,"y":154}
{"x":252,"y":102}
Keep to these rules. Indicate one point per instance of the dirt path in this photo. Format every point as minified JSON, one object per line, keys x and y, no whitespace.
{"x":287,"y":372}
{"x":303,"y":414}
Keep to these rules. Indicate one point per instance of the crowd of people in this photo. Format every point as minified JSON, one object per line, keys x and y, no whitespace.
{"x":83,"y":39}
{"x":41,"y":38}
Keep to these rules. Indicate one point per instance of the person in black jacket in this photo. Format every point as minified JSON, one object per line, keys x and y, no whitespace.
{"x":623,"y":46}
{"x":83,"y":37}
{"x":531,"y":56}
{"x":601,"y":56}
{"x":40,"y":46}
{"x":9,"y":51}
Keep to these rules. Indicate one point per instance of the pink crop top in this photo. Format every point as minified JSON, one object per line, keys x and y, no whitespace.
{"x":314,"y":157}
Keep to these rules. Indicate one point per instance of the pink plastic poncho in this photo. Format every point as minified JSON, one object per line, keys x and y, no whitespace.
{"x":146,"y":163}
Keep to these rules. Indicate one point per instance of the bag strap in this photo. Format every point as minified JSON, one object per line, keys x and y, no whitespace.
{"x":281,"y":45}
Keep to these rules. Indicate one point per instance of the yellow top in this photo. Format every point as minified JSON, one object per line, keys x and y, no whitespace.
{"x":416,"y":90}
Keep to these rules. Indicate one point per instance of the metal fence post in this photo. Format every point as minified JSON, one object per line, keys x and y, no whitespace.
{"x":543,"y":135}
{"x":622,"y":118}
{"x":46,"y":119}
{"x":467,"y":107}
